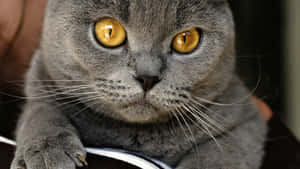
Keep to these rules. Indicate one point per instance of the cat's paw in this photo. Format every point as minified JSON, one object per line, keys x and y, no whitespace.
{"x":64,"y":151}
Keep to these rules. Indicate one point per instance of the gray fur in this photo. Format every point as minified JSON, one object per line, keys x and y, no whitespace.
{"x":79,"y":89}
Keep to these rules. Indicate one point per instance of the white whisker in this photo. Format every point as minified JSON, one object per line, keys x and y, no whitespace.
{"x":205,"y":125}
{"x":180,"y":112}
{"x":180,"y":125}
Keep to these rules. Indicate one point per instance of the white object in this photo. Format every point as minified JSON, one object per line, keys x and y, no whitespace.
{"x":121,"y":155}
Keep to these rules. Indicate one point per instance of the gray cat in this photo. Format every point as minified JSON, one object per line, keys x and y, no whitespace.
{"x":150,"y":76}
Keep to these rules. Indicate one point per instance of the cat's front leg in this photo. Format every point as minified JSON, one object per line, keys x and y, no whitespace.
{"x":47,"y":140}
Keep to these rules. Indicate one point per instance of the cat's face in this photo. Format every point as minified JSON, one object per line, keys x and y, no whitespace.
{"x":146,"y":78}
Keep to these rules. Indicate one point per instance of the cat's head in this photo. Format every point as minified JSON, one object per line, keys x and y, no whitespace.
{"x":140,"y":60}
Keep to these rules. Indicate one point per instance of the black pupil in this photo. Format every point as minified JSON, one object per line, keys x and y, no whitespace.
{"x":184,"y":37}
{"x":110,"y":32}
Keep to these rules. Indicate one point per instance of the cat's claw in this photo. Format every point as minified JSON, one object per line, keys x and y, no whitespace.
{"x":82,"y":159}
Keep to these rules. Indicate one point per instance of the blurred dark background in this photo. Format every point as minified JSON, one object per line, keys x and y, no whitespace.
{"x":260,"y":30}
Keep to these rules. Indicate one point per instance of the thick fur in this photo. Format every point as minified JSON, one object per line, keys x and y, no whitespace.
{"x":198,"y":116}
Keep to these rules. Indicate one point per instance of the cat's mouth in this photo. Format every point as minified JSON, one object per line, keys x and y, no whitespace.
{"x":141,"y":112}
{"x":142,"y":102}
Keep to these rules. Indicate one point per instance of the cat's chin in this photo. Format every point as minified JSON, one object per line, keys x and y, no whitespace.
{"x":142,"y":113}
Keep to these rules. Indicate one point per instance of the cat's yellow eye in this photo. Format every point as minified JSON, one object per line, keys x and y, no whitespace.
{"x":110,"y":33}
{"x":187,"y":41}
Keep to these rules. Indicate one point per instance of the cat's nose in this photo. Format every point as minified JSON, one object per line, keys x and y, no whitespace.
{"x":147,"y":82}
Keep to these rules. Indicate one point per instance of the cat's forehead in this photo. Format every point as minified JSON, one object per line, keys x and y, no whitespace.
{"x":146,"y":12}
{"x":152,"y":7}
{"x":158,"y":5}
{"x":132,"y":10}
{"x":144,"y":17}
